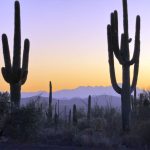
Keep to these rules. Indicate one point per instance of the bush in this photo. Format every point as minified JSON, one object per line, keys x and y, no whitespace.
{"x":4,"y":110}
{"x":97,"y":112}
{"x":143,"y":130}
{"x":25,"y":123}
{"x":83,"y":124}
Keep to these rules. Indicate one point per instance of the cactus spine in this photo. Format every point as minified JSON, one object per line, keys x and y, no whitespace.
{"x":89,"y":108}
{"x":122,"y":54}
{"x":74,"y":117}
{"x":13,"y":73}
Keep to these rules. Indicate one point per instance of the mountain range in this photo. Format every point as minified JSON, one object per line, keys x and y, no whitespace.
{"x":79,"y":92}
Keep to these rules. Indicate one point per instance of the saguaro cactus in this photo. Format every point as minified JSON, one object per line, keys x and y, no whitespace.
{"x":89,"y":108}
{"x":58,"y":109}
{"x":49,"y":113}
{"x":56,"y":117}
{"x":74,"y":117}
{"x":50,"y":100}
{"x":69,"y":117}
{"x":13,"y":73}
{"x":122,"y":54}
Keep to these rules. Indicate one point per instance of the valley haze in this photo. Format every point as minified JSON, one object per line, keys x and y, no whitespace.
{"x":101,"y":95}
{"x":79,"y":92}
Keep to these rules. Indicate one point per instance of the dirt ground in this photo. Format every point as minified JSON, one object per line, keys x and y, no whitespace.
{"x":9,"y":146}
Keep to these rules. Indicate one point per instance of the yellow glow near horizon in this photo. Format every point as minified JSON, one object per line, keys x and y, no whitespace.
{"x":69,"y":42}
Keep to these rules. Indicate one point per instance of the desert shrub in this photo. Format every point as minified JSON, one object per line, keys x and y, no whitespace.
{"x":4,"y":110}
{"x":4,"y":103}
{"x":83,"y":124}
{"x":132,"y":140}
{"x":143,"y":109}
{"x":97,"y":111}
{"x":98,"y":124}
{"x":84,"y":138}
{"x":144,"y":131}
{"x":141,"y":123}
{"x":144,"y":113}
{"x":81,"y":113}
{"x":89,"y":138}
{"x":25,"y":123}
{"x":113,"y":121}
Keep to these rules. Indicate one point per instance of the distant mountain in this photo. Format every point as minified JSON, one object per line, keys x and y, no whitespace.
{"x":80,"y":92}
{"x":102,"y":100}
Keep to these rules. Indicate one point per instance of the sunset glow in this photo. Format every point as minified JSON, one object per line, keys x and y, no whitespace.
{"x":69,"y":41}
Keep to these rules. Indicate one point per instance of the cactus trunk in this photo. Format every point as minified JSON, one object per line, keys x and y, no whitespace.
{"x":125,"y":99}
{"x":15,"y":95}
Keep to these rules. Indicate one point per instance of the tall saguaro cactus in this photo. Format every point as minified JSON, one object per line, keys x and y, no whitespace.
{"x":122,"y":54}
{"x":50,"y":100}
{"x":49,"y":112}
{"x":13,"y":73}
{"x":89,"y":108}
{"x":74,"y":115}
{"x":69,"y":117}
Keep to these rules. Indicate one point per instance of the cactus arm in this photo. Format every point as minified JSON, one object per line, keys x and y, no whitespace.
{"x":137,"y":47}
{"x":135,"y":73}
{"x":6,"y":74}
{"x":26,"y":55}
{"x":111,"y":62}
{"x":114,"y":31}
{"x":10,"y":77}
{"x":122,"y":44}
{"x":24,"y":71}
{"x":137,"y":41}
{"x":135,"y":77}
{"x":6,"y":52}
{"x":23,"y":77}
{"x":17,"y":38}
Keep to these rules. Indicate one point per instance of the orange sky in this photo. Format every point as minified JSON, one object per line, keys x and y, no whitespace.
{"x":69,"y":41}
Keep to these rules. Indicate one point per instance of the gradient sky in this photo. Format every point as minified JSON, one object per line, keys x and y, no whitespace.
{"x":69,"y":41}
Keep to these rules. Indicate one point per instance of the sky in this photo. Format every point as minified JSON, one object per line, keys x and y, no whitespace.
{"x":69,"y":41}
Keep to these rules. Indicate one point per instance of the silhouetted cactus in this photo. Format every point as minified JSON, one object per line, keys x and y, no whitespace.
{"x":65,"y":115}
{"x":50,"y":101}
{"x":74,"y":117}
{"x":122,"y":54}
{"x":69,"y":117}
{"x":13,"y":73}
{"x":89,"y":108}
{"x":58,"y":110}
{"x":49,"y":113}
{"x":56,"y":117}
